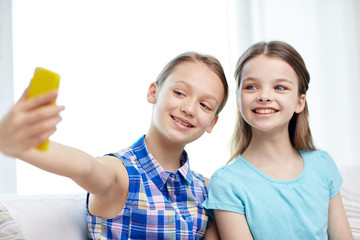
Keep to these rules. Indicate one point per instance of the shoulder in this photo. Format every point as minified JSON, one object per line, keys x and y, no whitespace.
{"x":121,"y":162}
{"x":323,"y":165}
{"x":115,"y":165}
{"x":127,"y":156}
{"x":199,"y":179}
{"x":202,"y":180}
{"x":320,"y":160}
{"x":125,"y":153}
{"x":230,"y":170}
{"x":224,"y":176}
{"x":226,"y":189}
{"x":317,"y":157}
{"x":316,"y":153}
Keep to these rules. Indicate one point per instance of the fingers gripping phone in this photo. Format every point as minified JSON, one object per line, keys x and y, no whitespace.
{"x":42,"y":82}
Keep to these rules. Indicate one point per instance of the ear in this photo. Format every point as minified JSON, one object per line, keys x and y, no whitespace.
{"x":151,"y":95}
{"x":301,"y":104}
{"x":212,"y":124}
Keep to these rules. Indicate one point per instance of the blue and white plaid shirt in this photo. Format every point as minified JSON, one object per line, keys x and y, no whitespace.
{"x":160,"y":205}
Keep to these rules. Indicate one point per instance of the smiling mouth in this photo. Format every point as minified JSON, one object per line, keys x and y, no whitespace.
{"x":264,"y":110}
{"x":182,"y":123}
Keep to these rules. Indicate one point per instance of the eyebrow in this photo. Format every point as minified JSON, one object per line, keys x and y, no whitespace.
{"x":285,"y":80}
{"x":276,"y":80}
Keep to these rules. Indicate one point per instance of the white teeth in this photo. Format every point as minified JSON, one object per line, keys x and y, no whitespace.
{"x":182,"y":123}
{"x":264,"y":111}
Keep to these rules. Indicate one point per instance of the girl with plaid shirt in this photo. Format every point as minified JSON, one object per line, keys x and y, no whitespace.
{"x":146,"y":191}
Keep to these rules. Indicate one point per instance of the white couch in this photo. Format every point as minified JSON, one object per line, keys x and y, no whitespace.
{"x":62,"y":217}
{"x":43,"y":217}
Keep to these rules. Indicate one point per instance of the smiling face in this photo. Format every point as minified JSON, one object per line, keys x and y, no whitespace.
{"x":185,"y":104}
{"x":268,"y":94}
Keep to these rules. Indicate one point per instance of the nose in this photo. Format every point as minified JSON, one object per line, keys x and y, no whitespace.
{"x":188,"y":107}
{"x":265,"y":96}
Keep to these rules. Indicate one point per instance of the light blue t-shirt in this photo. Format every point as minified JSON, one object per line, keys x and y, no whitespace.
{"x":295,"y":209}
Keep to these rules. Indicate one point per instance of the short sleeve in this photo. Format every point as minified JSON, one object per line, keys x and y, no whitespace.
{"x":334,"y":177}
{"x":222,"y":193}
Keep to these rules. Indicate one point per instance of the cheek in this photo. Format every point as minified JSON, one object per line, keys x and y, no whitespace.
{"x":206,"y":120}
{"x":167,"y":102}
{"x":294,"y":100}
{"x":243,"y":103}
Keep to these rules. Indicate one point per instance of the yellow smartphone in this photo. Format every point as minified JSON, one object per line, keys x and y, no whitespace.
{"x":42,"y":82}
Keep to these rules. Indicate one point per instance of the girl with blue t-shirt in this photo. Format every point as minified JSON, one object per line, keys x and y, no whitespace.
{"x":277,"y":186}
{"x":147,"y":190}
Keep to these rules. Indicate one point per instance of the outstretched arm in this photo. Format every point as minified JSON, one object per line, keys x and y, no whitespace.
{"x":338,"y":225}
{"x":95,"y":175}
{"x":30,"y":122}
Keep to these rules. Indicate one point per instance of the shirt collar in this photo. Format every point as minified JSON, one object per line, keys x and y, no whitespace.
{"x":154,"y":170}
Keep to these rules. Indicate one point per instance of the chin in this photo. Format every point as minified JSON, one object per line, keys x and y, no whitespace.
{"x":268,"y":129}
{"x":181,"y":139}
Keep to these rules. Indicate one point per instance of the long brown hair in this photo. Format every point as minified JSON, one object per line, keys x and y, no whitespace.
{"x":299,"y":130}
{"x":210,"y":61}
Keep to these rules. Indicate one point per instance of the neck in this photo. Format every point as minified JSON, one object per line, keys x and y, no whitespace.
{"x":270,"y":146}
{"x":166,"y":154}
{"x":274,"y":155}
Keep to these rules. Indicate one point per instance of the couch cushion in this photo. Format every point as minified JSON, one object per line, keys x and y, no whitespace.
{"x":48,"y":216}
{"x":8,"y":227}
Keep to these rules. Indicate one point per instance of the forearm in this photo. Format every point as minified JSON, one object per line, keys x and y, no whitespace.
{"x":61,"y":160}
{"x":29,"y":123}
{"x":92,"y":174}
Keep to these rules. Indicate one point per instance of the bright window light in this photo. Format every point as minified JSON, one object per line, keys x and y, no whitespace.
{"x":107,"y":54}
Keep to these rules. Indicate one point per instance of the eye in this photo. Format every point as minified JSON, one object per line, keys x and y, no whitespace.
{"x":179,"y":93}
{"x":250,"y":87}
{"x":280,"y":88}
{"x":205,"y":106}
